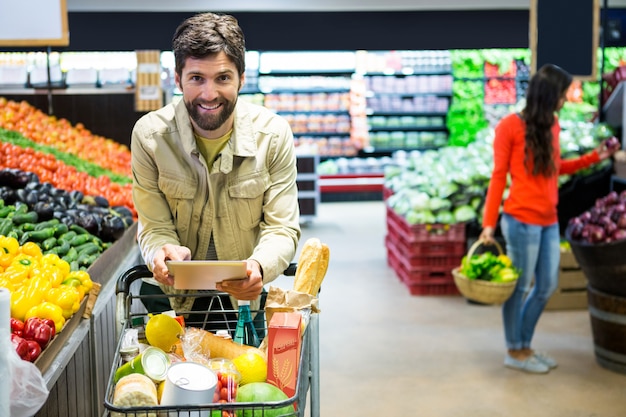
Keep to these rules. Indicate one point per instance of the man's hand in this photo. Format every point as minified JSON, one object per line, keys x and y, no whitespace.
{"x":245,"y":289}
{"x":168,"y":252}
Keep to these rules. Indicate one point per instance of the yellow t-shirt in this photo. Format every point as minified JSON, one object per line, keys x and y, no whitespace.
{"x":210,"y":148}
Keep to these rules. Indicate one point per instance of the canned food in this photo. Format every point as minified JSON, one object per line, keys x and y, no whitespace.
{"x":129,"y":353}
{"x":152,"y":362}
{"x":189,"y":383}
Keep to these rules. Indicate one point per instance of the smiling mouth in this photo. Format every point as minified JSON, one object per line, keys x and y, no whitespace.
{"x":209,"y":108}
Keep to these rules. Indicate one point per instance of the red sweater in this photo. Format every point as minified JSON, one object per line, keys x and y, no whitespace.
{"x":531,"y":199}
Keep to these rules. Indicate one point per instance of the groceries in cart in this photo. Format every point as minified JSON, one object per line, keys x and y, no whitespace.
{"x":167,"y":367}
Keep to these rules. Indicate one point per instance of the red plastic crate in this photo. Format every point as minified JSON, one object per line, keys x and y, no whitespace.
{"x":418,"y":261}
{"x":423,"y":282}
{"x":387,"y":193}
{"x":433,"y":288}
{"x":426,"y":248}
{"x":393,"y":262}
{"x":425,"y":232}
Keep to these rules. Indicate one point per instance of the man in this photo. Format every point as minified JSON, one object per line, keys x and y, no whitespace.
{"x":214,"y":177}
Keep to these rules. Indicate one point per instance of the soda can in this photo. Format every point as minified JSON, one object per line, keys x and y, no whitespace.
{"x":152,"y":362}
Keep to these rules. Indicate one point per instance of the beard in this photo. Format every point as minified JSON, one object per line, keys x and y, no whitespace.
{"x":212,"y":121}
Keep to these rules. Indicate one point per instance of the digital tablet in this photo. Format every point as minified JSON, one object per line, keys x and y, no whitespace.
{"x":203,"y":275}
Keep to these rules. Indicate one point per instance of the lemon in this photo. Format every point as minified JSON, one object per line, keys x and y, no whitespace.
{"x":252,"y":367}
{"x":163,"y":331}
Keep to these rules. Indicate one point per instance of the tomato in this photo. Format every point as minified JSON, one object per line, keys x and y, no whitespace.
{"x":224,"y":394}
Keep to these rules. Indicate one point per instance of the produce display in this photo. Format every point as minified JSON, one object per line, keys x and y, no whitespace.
{"x":62,"y":170}
{"x":51,"y":131}
{"x":603,"y":223}
{"x":65,"y":197}
{"x":45,"y":292}
{"x":449,"y":185}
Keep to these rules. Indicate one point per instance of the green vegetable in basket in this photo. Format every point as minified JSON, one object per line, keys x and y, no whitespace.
{"x":489,"y":267}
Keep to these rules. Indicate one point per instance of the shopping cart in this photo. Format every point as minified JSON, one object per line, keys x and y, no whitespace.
{"x":129,"y":310}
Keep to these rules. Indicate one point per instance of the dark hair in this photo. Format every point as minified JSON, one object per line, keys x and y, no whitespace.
{"x":545,"y":89}
{"x":209,"y":33}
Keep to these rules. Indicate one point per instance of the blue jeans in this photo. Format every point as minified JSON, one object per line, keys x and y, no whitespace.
{"x":535,"y":251}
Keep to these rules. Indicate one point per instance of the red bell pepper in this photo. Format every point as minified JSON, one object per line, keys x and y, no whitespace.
{"x":40,"y":330}
{"x":21,"y":347}
{"x":17,"y":326}
{"x":34,"y":350}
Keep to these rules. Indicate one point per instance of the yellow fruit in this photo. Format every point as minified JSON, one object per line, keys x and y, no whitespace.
{"x":160,"y":390}
{"x":252,"y":367}
{"x":163,"y":331}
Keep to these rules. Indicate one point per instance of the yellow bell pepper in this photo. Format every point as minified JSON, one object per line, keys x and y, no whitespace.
{"x":79,"y":279}
{"x":6,"y":283}
{"x":55,"y":260}
{"x":25,"y":261}
{"x":48,"y":310}
{"x":15,"y":275}
{"x":21,"y":303}
{"x":66,"y":297}
{"x":50,"y":272}
{"x":31,"y":249}
{"x":506,"y":261}
{"x":9,"y":247}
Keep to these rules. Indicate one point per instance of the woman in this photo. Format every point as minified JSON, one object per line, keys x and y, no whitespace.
{"x":526,"y":148}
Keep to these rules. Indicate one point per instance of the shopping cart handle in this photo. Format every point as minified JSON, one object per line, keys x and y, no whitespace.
{"x":128,"y":277}
{"x":291,"y":270}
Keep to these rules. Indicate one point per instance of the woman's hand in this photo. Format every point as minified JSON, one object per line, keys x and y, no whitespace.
{"x":608,"y":147}
{"x":245,"y":289}
{"x":168,"y":252}
{"x":486,"y":236}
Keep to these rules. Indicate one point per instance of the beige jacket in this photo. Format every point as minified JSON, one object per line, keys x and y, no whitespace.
{"x":249,"y":200}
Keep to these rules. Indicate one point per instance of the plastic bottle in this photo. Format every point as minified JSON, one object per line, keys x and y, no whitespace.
{"x":245,"y":333}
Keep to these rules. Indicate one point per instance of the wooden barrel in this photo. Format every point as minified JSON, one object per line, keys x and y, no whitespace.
{"x":608,"y":324}
{"x":603,"y":264}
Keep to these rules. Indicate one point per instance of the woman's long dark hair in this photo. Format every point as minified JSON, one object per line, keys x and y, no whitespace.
{"x":545,"y":90}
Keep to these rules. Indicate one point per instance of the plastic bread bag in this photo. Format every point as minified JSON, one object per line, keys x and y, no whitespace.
{"x":28,"y":391}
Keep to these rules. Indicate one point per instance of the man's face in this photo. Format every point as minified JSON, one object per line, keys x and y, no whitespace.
{"x":210,"y":89}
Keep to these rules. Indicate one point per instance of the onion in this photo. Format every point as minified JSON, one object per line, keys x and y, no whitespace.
{"x":576,"y":230}
{"x":621,"y":222}
{"x":619,"y":234}
{"x":612,"y":143}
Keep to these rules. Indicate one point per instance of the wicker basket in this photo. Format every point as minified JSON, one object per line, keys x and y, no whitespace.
{"x":485,"y":292}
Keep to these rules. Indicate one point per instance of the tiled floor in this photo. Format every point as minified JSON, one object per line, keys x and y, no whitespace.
{"x":384,"y":352}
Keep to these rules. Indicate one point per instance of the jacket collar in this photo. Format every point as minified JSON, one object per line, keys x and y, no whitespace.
{"x":242,"y":142}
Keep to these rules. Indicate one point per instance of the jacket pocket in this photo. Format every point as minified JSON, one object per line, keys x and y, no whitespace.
{"x":247,"y":199}
{"x":180,"y":197}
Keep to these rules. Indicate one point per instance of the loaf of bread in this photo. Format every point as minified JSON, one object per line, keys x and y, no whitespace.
{"x":312,"y":266}
{"x":211,"y":345}
{"x":135,"y":390}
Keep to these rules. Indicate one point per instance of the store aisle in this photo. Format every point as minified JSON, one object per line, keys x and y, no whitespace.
{"x":384,"y":352}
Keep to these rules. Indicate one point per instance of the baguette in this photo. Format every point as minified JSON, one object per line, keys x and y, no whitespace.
{"x":214,"y":346}
{"x":312,"y":267}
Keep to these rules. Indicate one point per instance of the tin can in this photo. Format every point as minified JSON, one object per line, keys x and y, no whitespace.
{"x":152,"y":362}
{"x":189,"y":383}
{"x":129,"y":353}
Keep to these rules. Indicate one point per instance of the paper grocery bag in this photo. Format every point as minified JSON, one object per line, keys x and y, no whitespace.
{"x":279,"y":299}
